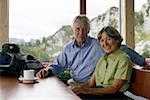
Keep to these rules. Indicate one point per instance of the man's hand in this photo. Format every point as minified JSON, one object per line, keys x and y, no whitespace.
{"x":43,"y":73}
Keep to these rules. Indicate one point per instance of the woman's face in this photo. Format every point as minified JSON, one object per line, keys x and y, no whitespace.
{"x":80,"y":31}
{"x":108,"y":44}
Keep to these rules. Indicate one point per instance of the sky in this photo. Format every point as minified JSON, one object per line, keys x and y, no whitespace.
{"x":38,"y":18}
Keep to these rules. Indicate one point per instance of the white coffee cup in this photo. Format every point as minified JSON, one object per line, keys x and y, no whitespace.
{"x":28,"y":74}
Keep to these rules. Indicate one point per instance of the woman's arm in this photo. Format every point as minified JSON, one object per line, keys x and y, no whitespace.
{"x":89,"y":83}
{"x":115,"y":87}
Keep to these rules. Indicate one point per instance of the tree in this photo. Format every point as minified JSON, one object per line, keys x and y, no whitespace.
{"x":44,"y":41}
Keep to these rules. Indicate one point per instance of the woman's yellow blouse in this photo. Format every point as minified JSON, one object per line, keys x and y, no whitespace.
{"x":116,"y":65}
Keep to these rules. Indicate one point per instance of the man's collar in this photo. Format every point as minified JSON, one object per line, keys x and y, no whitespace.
{"x":74,"y":44}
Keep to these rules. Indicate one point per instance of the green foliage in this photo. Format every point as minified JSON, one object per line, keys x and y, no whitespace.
{"x":54,"y":50}
{"x":68,"y":33}
{"x":147,"y":10}
{"x":139,"y":18}
{"x":43,"y":56}
{"x":44,"y":41}
{"x":141,"y":35}
{"x":113,"y":23}
{"x":65,"y":76}
{"x":37,"y":43}
{"x":103,"y":17}
{"x":99,"y":17}
{"x":112,"y":10}
{"x":146,"y":50}
{"x":36,"y":51}
{"x":146,"y":53}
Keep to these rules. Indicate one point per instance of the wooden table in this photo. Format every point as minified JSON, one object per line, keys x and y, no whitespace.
{"x":45,"y":89}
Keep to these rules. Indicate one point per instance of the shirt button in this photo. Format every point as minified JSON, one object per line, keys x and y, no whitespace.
{"x":101,"y":82}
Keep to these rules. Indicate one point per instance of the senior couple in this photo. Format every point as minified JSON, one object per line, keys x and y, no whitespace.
{"x":101,"y":67}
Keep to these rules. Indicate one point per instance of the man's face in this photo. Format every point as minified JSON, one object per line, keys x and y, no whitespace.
{"x":80,"y":30}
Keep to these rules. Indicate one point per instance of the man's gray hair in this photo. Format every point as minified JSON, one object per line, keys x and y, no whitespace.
{"x":84,"y":19}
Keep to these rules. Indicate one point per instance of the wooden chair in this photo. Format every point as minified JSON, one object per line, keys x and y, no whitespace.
{"x":140,"y":83}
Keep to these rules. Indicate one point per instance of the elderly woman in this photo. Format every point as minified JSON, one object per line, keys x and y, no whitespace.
{"x":113,"y":71}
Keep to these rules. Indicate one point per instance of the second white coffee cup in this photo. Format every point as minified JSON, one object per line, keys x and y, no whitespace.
{"x":28,"y":74}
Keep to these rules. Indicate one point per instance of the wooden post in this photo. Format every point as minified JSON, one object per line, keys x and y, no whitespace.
{"x":3,"y":21}
{"x":82,"y":6}
{"x":127,"y":22}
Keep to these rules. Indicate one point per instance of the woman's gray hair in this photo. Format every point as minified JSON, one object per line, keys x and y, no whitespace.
{"x":84,"y":19}
{"x":111,"y":32}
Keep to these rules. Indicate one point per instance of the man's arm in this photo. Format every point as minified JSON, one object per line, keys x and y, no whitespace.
{"x":60,"y":66}
{"x":135,"y":57}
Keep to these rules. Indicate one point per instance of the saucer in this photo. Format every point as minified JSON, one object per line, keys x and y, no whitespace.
{"x":28,"y":80}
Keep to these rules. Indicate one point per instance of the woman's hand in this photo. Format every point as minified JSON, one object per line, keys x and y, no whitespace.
{"x":80,"y":90}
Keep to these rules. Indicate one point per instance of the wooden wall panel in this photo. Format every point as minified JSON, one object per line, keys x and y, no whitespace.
{"x":3,"y":21}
